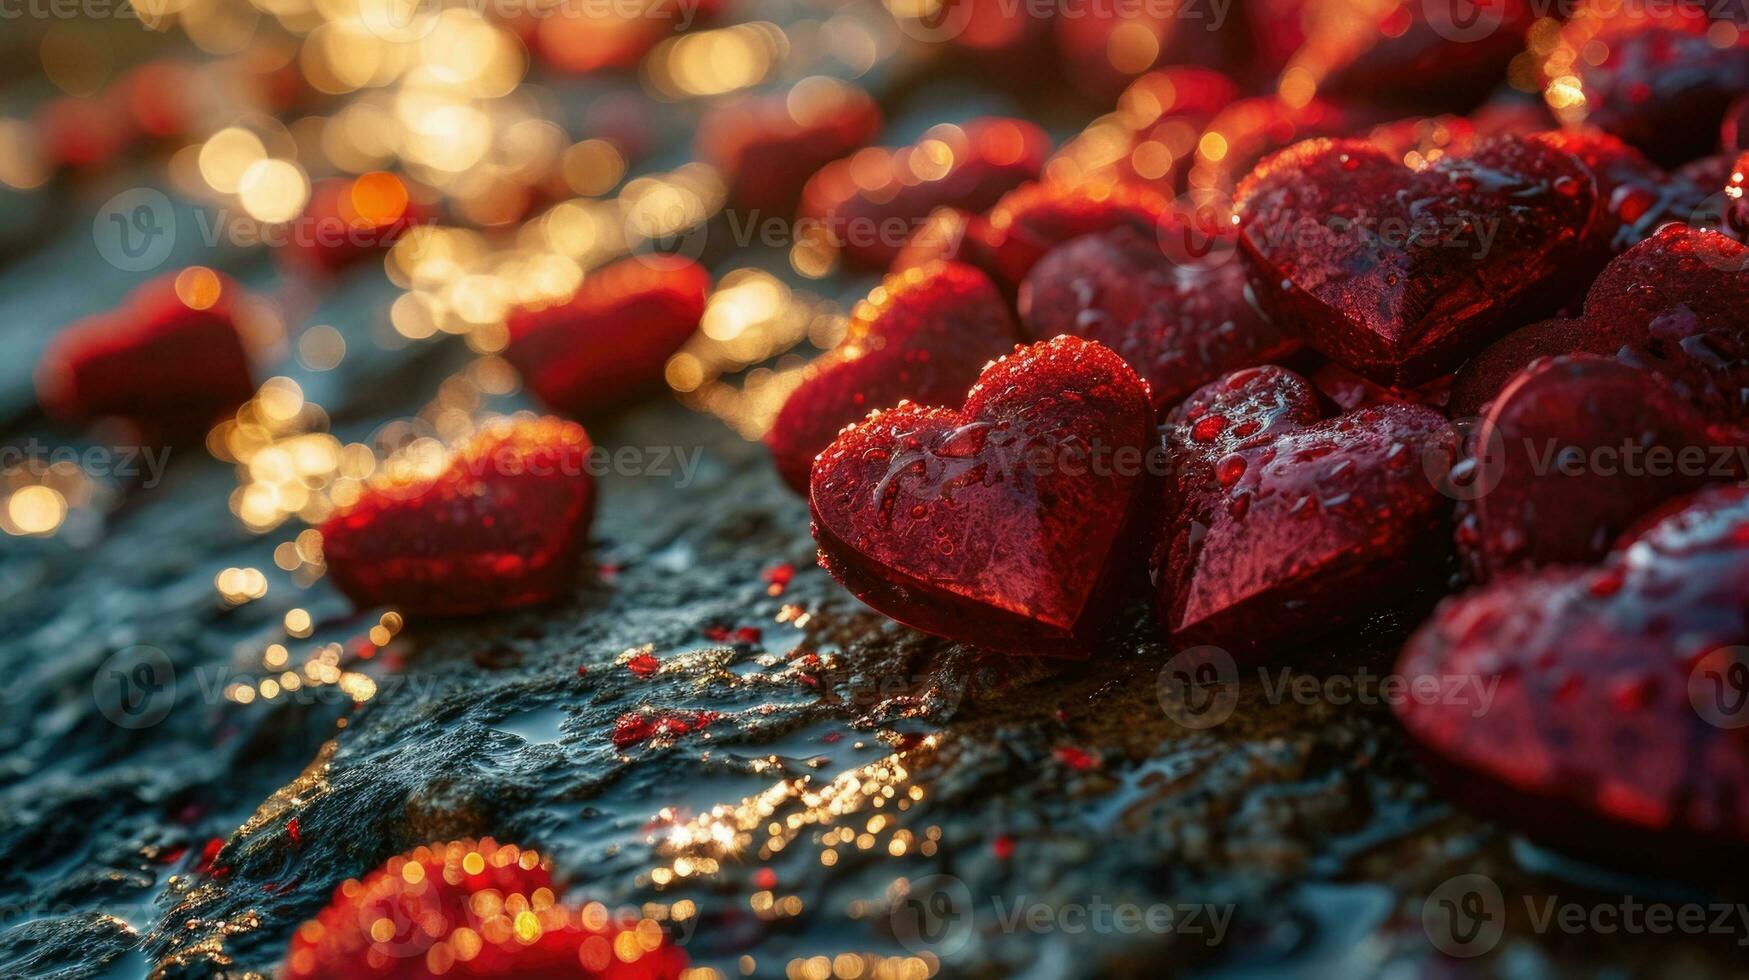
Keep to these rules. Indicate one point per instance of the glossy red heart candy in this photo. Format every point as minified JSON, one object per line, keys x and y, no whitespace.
{"x":922,"y":335}
{"x":473,"y":909}
{"x":1036,"y":218}
{"x":1614,"y":726}
{"x":1281,"y":524}
{"x":767,"y":145}
{"x":1010,"y":523}
{"x":1570,"y":453}
{"x":868,"y":204}
{"x":502,"y":525}
{"x":1178,"y":325}
{"x":1673,"y":304}
{"x":1399,"y":274}
{"x":169,"y":360}
{"x":1423,"y":54}
{"x":611,"y":340}
{"x":1663,"y":84}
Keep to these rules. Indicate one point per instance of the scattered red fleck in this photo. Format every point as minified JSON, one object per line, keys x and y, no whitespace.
{"x":716,"y":634}
{"x":607,"y":573}
{"x":765,"y":878}
{"x":208,"y":864}
{"x":749,"y":636}
{"x":295,"y":831}
{"x":778,"y":578}
{"x":808,"y":679}
{"x":644,"y":664}
{"x":364,"y":649}
{"x":419,"y":916}
{"x":1075,"y":758}
{"x":582,"y":670}
{"x":172,"y":856}
{"x":1003,"y":845}
{"x":832,"y":738}
{"x":636,"y":727}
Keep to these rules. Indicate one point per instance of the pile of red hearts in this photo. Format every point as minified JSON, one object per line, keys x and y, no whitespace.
{"x":1409,"y":354}
{"x":1468,"y":353}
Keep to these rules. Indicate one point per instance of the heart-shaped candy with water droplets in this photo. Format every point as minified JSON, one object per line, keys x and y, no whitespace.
{"x":1010,"y":523}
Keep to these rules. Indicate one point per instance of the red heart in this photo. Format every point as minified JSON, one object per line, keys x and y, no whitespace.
{"x":1179,"y":326}
{"x":1571,"y":452}
{"x":922,"y":335}
{"x":1397,"y":273}
{"x":1673,"y":304}
{"x":1422,"y":53}
{"x":474,"y":909}
{"x":347,"y":221}
{"x":611,"y":340}
{"x":1009,"y":523}
{"x":868,"y":203}
{"x":169,"y":359}
{"x":1615,"y":726}
{"x":766,"y":146}
{"x":1663,"y":84}
{"x":1280,"y":523}
{"x":1035,"y":218}
{"x":501,"y":526}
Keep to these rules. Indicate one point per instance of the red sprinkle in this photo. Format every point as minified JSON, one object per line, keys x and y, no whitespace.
{"x":1075,"y":758}
{"x":644,"y":664}
{"x":635,"y":728}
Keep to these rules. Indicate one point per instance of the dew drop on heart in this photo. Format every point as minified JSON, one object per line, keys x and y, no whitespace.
{"x":1208,"y":427}
{"x":1230,"y":469}
{"x":1240,"y":505}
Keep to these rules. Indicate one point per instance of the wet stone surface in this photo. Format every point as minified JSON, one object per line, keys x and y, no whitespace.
{"x":147,"y":819}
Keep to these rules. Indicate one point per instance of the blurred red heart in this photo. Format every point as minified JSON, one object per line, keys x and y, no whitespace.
{"x":923,"y":335}
{"x":502,"y":525}
{"x":1615,"y":694}
{"x":169,"y":360}
{"x":612,"y":339}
